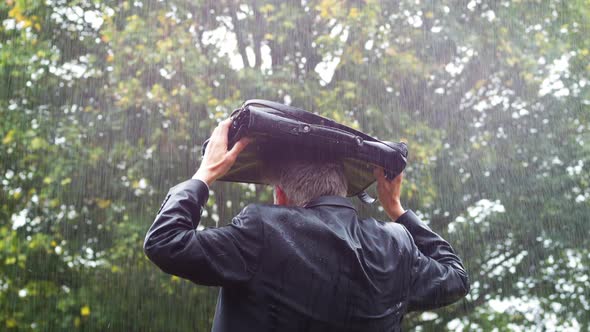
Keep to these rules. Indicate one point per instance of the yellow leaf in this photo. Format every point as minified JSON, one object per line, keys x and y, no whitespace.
{"x":391,"y":51}
{"x":17,"y":194}
{"x":95,"y":154}
{"x":37,"y":143}
{"x":479,"y":84}
{"x":429,"y":14}
{"x":539,"y":37}
{"x":336,"y":116}
{"x":213,"y":102}
{"x":15,"y":12}
{"x":9,"y":137}
{"x":10,"y":323}
{"x":85,"y":311}
{"x":349,"y":95}
{"x":353,"y":13}
{"x":267,"y":8}
{"x":47,"y":180}
{"x":66,"y":181}
{"x":103,"y":203}
{"x":326,"y":8}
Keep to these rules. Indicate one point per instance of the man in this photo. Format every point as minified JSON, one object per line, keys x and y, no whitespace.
{"x":307,"y":263}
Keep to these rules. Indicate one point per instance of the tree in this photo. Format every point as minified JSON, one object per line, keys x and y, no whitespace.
{"x":105,"y":105}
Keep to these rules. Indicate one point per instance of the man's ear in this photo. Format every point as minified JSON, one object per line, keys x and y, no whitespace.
{"x":280,"y":196}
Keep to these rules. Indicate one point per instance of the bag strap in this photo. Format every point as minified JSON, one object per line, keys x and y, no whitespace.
{"x":366,"y":198}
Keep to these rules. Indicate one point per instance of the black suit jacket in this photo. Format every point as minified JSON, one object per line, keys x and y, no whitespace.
{"x":317,"y":268}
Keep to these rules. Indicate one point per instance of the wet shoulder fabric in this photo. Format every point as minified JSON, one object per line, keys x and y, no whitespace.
{"x":281,"y":131}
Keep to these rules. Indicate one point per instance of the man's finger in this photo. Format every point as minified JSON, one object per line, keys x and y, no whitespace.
{"x":378,"y":173}
{"x":225,"y":123}
{"x":222,"y":124}
{"x":239,"y":146}
{"x":221,"y":131}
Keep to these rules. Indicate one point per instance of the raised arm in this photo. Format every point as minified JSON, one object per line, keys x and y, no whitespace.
{"x":438,"y":277}
{"x":216,"y":256}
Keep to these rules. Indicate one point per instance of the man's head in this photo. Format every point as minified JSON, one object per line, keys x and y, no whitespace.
{"x":298,"y":182}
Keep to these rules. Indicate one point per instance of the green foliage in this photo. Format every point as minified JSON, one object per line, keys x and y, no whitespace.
{"x":104,"y":105}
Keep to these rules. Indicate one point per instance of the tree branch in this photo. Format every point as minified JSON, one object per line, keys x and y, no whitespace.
{"x":238,"y":31}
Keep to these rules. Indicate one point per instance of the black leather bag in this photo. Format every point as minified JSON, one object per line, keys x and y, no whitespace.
{"x":281,"y":131}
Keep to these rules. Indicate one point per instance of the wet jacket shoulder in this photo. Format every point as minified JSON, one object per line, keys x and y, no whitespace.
{"x":213,"y":257}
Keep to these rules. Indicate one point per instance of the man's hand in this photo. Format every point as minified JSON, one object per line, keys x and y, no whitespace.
{"x":389,"y":193}
{"x":217,"y":159}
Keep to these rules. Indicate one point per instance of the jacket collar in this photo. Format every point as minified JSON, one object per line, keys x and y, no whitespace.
{"x":330,"y":200}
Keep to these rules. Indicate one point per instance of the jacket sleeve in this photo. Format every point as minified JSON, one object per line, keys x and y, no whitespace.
{"x":438,"y":277}
{"x":214,"y":257}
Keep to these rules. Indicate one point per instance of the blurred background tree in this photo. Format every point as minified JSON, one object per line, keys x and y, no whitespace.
{"x":104,"y":105}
